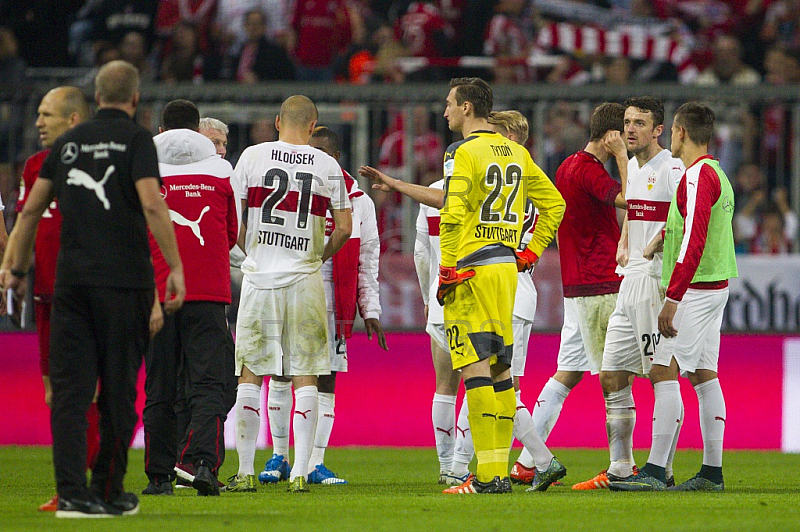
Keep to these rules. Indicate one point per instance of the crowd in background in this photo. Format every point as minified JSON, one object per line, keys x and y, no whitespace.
{"x":702,"y":42}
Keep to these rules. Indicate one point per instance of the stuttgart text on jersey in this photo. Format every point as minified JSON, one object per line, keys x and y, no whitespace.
{"x":270,"y":238}
{"x":503,"y":234}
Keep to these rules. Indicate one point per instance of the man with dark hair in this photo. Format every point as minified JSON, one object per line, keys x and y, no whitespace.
{"x":180,"y":114}
{"x":60,"y":110}
{"x":696,"y":272}
{"x":632,"y":336}
{"x":351,"y":283}
{"x":260,"y":59}
{"x":282,"y":323}
{"x":480,"y":230}
{"x":195,"y":341}
{"x":587,"y":243}
{"x":104,"y":286}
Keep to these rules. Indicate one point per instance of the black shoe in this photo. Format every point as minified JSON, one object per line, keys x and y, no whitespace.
{"x":205,"y":482}
{"x":127,"y":503}
{"x":156,"y":487}
{"x":77,"y":508}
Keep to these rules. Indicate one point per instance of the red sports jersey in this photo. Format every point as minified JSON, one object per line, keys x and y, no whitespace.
{"x":589,"y":233}
{"x":417,"y":29}
{"x":323,"y":30}
{"x":49,"y":233}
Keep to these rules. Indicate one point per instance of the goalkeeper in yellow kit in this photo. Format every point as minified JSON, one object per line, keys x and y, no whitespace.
{"x":487,"y":182}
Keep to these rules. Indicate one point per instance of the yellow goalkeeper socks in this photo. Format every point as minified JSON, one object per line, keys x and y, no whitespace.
{"x":482,"y":419}
{"x":504,"y":426}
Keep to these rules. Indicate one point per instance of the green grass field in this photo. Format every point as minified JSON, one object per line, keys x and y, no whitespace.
{"x":396,"y":489}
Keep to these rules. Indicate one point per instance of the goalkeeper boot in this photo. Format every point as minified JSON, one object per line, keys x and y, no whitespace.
{"x":298,"y":485}
{"x":639,"y":481}
{"x":239,"y":484}
{"x":521,"y":474}
{"x":323,"y":475}
{"x":543,"y":479}
{"x":473,"y":485}
{"x":276,"y":469}
{"x":698,"y":483}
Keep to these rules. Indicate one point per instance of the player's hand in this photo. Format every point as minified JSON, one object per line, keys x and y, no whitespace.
{"x":650,"y":250}
{"x":665,"y":320}
{"x":449,"y":278}
{"x":156,"y":318}
{"x":381,"y":180}
{"x":615,"y":144}
{"x":374,"y":327}
{"x":622,"y":255}
{"x":175,"y":291}
{"x":526,"y":259}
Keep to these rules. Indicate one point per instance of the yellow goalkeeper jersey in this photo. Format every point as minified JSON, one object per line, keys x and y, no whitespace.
{"x":487,"y":181}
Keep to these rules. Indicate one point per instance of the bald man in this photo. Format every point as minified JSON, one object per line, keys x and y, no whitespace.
{"x":105,"y":175}
{"x":288,"y":188}
{"x":61,"y":109}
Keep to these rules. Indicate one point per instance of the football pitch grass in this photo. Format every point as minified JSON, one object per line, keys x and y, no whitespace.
{"x":396,"y":489}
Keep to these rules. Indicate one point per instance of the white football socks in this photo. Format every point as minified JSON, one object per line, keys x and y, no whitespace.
{"x":304,"y":423}
{"x":548,"y":407}
{"x":248,"y":421}
{"x":279,"y":407}
{"x":464,"y":449}
{"x":671,"y":457}
{"x":325,"y":417}
{"x":712,"y":420}
{"x":443,"y":414}
{"x":620,"y":421}
{"x":666,"y":420}
{"x":525,"y":432}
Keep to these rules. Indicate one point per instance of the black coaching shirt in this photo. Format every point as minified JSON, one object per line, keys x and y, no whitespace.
{"x":94,"y":168}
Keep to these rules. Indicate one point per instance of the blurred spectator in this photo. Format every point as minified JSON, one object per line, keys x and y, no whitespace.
{"x":320,"y":32}
{"x":133,"y":49}
{"x":228,"y":28}
{"x":508,"y":40}
{"x":260,"y":59}
{"x":262,"y":129}
{"x":424,"y":32}
{"x":12,"y":66}
{"x":564,"y":134}
{"x":198,"y":12}
{"x":727,"y":66}
{"x":771,"y":235}
{"x":12,"y":109}
{"x":388,"y":50}
{"x":185,"y":61}
{"x":781,"y":67}
{"x":428,"y":148}
{"x":116,"y":18}
{"x":41,"y":28}
{"x":617,"y":71}
{"x":752,"y":201}
{"x":103,"y":52}
{"x":782,"y":23}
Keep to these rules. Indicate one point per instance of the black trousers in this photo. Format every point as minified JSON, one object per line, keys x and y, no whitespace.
{"x":183,"y":413}
{"x":192,"y":344}
{"x":96,"y":333}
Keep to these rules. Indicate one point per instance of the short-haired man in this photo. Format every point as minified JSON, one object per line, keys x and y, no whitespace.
{"x":632,"y":336}
{"x":217,"y":132}
{"x":60,"y":110}
{"x":479,"y":231}
{"x":587,"y":244}
{"x":193,"y":343}
{"x":696,"y":270}
{"x":351,"y":283}
{"x":288,"y":187}
{"x":105,"y":175}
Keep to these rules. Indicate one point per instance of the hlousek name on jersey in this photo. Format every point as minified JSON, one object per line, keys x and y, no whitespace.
{"x":497,"y":233}
{"x":292,"y":157}
{"x":269,"y":238}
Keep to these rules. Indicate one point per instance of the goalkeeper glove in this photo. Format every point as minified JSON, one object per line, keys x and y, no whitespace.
{"x":526,"y":259}
{"x":449,"y":278}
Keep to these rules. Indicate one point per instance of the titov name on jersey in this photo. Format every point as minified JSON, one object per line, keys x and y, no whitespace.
{"x":281,"y":240}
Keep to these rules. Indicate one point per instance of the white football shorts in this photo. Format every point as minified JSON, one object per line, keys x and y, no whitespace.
{"x":583,"y":335}
{"x":337,"y":347}
{"x":437,"y":334}
{"x":522,"y":333}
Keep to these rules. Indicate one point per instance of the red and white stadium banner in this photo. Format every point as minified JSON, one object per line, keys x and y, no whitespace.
{"x":760,"y":376}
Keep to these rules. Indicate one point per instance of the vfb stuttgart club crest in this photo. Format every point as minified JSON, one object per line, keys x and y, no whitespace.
{"x":651,"y":181}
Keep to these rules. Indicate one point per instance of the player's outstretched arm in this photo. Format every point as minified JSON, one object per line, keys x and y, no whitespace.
{"x":157,"y":215}
{"x":343,"y":226}
{"x":431,"y":197}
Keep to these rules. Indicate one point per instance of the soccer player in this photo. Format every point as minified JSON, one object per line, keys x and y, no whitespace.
{"x":696,"y":270}
{"x":587,"y":244}
{"x":632,"y":335}
{"x":60,"y":110}
{"x":288,"y":188}
{"x":479,"y":231}
{"x":194,"y":342}
{"x":351,"y":281}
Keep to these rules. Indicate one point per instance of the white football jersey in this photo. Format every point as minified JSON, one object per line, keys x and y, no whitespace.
{"x":525,"y":300}
{"x":289,"y":189}
{"x":649,"y":193}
